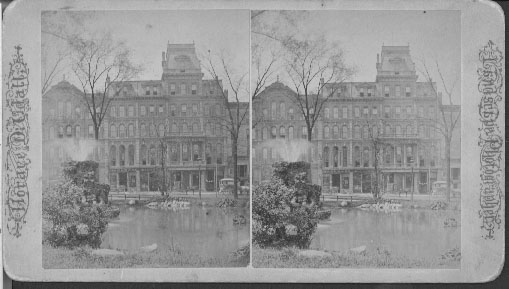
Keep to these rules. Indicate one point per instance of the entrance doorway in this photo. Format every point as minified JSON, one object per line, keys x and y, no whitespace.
{"x":336,"y":181}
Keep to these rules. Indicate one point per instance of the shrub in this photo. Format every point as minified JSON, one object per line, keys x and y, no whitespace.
{"x":73,"y":222}
{"x":287,"y":172}
{"x":272,"y":215}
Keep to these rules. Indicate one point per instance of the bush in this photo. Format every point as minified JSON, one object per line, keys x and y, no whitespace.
{"x":273,"y":215}
{"x":287,"y":172}
{"x":72,"y":221}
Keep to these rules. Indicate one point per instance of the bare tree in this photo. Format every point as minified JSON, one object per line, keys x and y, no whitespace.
{"x":315,"y":67}
{"x":446,"y":122}
{"x":162,"y":138}
{"x":237,"y":112}
{"x":378,"y":144}
{"x":101,"y":65}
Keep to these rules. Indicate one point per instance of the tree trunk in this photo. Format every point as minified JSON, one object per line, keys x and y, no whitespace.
{"x":96,"y":132}
{"x":448,"y":166}
{"x":235,"y":171}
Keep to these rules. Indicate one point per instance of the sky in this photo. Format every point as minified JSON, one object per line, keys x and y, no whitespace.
{"x":148,"y":32}
{"x":432,"y":36}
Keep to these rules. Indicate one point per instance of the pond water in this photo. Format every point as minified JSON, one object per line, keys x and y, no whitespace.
{"x":413,"y":233}
{"x":208,"y":232}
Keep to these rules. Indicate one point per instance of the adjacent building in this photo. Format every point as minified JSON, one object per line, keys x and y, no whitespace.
{"x":401,"y":112}
{"x":171,"y":125}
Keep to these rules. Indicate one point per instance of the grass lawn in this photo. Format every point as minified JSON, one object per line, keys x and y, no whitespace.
{"x":378,"y":258}
{"x":81,"y":258}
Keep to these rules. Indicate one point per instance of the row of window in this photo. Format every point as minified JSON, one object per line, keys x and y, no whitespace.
{"x":279,"y":112}
{"x":370,"y":91}
{"x":152,"y":155}
{"x":343,"y":132}
{"x":129,"y":110}
{"x":181,"y":89}
{"x":336,"y":156}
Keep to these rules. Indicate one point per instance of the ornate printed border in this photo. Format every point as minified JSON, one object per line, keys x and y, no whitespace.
{"x":17,"y":138}
{"x":491,"y":140}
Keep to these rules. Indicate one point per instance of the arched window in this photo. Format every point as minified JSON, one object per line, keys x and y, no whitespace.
{"x":130,"y":151}
{"x":336,"y":112}
{"x":113,"y":155}
{"x":326,"y":132}
{"x":161,"y":131}
{"x":143,"y":155}
{"x":282,"y":110}
{"x":196,"y":129}
{"x":344,"y":132}
{"x":174,"y":128}
{"x":345,"y":156}
{"x":290,"y":132}
{"x":304,"y":132}
{"x":398,"y":130}
{"x":184,"y":128}
{"x":273,"y":132}
{"x":357,"y":156}
{"x":282,"y":132}
{"x":274,"y":110}
{"x":264,"y":133}
{"x":78,"y":112}
{"x":357,"y":131}
{"x":143,"y":110}
{"x":365,"y":157}
{"x":345,"y":112}
{"x":185,"y":152}
{"x":388,"y":131}
{"x":61,"y":132}
{"x":335,"y":132}
{"x":409,"y":130}
{"x":152,"y":155}
{"x":68,"y":131}
{"x":77,"y":131}
{"x":326,"y":156}
{"x":131,"y":130}
{"x":143,"y":130}
{"x":174,"y":151}
{"x":389,"y":154}
{"x":121,"y":131}
{"x":219,"y":153}
{"x":152,"y":130}
{"x":121,"y":155}
{"x":196,"y":152}
{"x":421,"y":131}
{"x":290,"y":114}
{"x":365,"y":132}
{"x":327,"y":114}
{"x":335,"y":157}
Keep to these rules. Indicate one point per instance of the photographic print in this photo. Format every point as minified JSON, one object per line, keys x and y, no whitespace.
{"x":145,"y":115}
{"x":357,"y":144}
{"x":247,"y":141}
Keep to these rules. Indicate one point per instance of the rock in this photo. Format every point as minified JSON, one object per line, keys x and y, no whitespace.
{"x":359,"y":249}
{"x":106,"y":252}
{"x":344,"y":203}
{"x":314,"y":253}
{"x":132,"y":202}
{"x":149,"y":248}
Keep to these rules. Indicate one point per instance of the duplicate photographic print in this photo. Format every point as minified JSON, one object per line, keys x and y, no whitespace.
{"x":145,"y":125}
{"x":356,"y":139}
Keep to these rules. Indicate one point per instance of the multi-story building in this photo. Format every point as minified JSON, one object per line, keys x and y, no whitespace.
{"x":179,"y":115}
{"x":398,"y":109}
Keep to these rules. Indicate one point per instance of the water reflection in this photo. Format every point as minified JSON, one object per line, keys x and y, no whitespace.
{"x":208,"y":232}
{"x":414,"y":233}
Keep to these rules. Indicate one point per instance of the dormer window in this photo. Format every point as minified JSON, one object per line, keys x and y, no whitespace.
{"x":154,"y":90}
{"x":362,"y":92}
{"x":370,"y":91}
{"x":193,"y":89}
{"x":408,"y":92}
{"x":147,"y":91}
{"x":172,"y":89}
